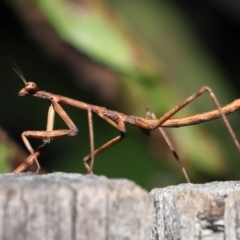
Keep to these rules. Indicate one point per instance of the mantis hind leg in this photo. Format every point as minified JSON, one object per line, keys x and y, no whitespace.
{"x":151,"y":115}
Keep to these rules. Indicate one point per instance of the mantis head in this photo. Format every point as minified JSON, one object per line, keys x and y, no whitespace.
{"x":30,"y":87}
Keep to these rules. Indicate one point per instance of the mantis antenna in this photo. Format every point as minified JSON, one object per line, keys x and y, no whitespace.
{"x":17,"y":70}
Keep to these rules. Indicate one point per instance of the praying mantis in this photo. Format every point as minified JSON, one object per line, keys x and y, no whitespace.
{"x":117,"y":120}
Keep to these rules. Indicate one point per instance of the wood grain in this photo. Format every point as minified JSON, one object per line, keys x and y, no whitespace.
{"x":72,"y":206}
{"x":197,"y":211}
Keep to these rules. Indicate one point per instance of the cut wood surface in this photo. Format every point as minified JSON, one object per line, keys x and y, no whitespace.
{"x":72,"y":206}
{"x":197,"y":211}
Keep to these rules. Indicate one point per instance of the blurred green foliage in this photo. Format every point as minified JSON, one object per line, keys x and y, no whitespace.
{"x":158,"y":62}
{"x":3,"y":156}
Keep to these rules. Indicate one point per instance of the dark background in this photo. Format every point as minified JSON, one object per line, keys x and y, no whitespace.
{"x":188,"y":44}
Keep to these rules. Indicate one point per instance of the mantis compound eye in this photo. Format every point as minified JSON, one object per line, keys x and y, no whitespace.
{"x":30,"y":88}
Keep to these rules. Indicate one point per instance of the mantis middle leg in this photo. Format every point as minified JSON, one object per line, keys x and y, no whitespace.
{"x":120,"y":125}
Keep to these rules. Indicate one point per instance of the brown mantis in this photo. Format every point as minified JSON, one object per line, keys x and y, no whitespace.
{"x":115,"y":119}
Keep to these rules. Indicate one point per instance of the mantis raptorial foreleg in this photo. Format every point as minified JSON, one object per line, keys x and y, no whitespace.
{"x":32,"y":158}
{"x":49,"y":134}
{"x":35,"y":153}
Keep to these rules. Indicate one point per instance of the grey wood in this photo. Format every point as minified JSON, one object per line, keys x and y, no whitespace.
{"x":72,"y":206}
{"x":197,"y":211}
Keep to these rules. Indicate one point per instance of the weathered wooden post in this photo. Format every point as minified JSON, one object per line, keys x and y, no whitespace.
{"x":72,"y":206}
{"x":197,"y":211}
